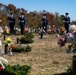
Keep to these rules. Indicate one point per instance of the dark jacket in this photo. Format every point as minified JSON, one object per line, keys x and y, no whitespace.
{"x":11,"y":20}
{"x":22,"y":20}
{"x":45,"y":21}
{"x":66,"y":20}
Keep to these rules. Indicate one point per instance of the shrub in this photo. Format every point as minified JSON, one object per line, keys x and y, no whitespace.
{"x":29,"y":35}
{"x":15,"y":70}
{"x":27,"y":38}
{"x":20,"y":48}
{"x":52,"y":32}
{"x":17,"y":32}
{"x":28,"y":48}
{"x":7,"y":33}
{"x":69,"y":70}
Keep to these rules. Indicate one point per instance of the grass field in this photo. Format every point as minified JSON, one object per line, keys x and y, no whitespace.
{"x":46,"y":57}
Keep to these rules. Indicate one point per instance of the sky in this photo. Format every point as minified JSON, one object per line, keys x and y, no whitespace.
{"x":60,"y":6}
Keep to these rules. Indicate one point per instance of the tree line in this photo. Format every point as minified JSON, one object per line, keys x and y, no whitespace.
{"x":33,"y":18}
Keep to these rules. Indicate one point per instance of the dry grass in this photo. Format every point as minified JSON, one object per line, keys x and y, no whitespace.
{"x":46,"y":57}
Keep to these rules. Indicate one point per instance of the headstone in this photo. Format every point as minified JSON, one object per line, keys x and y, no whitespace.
{"x":0,"y":46}
{"x":17,"y":40}
{"x":74,"y":65}
{"x":10,"y":51}
{"x":0,"y":43}
{"x":6,"y":49}
{"x":4,"y":37}
{"x":1,"y":30}
{"x":41,"y":35}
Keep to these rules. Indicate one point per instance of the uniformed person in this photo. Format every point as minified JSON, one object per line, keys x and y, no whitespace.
{"x":22,"y":22}
{"x":66,"y":22}
{"x":11,"y":19}
{"x":45,"y":22}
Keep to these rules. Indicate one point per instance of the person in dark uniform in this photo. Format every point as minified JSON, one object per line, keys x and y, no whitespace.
{"x":11,"y":19}
{"x":45,"y":22}
{"x":22,"y":22}
{"x":66,"y":22}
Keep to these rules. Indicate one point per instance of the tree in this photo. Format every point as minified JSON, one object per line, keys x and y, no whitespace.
{"x":58,"y":20}
{"x":50,"y":18}
{"x":73,"y":22}
{"x":33,"y":18}
{"x":11,"y":8}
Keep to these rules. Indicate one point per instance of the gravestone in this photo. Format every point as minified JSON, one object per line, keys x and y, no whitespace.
{"x":4,"y":37}
{"x":6,"y":49}
{"x":17,"y":40}
{"x":0,"y":47}
{"x":74,"y":65}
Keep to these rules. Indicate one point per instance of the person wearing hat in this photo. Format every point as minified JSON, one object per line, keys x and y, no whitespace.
{"x":11,"y":19}
{"x":22,"y":22}
{"x":45,"y":22}
{"x":66,"y":22}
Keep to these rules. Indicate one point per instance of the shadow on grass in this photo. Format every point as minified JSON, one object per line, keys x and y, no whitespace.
{"x":64,"y":74}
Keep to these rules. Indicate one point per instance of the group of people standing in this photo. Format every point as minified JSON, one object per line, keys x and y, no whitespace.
{"x":22,"y":19}
{"x":12,"y":22}
{"x":66,"y":21}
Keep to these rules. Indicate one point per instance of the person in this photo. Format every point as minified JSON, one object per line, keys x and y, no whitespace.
{"x":22,"y":22}
{"x":45,"y":22}
{"x":66,"y":22}
{"x":11,"y":19}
